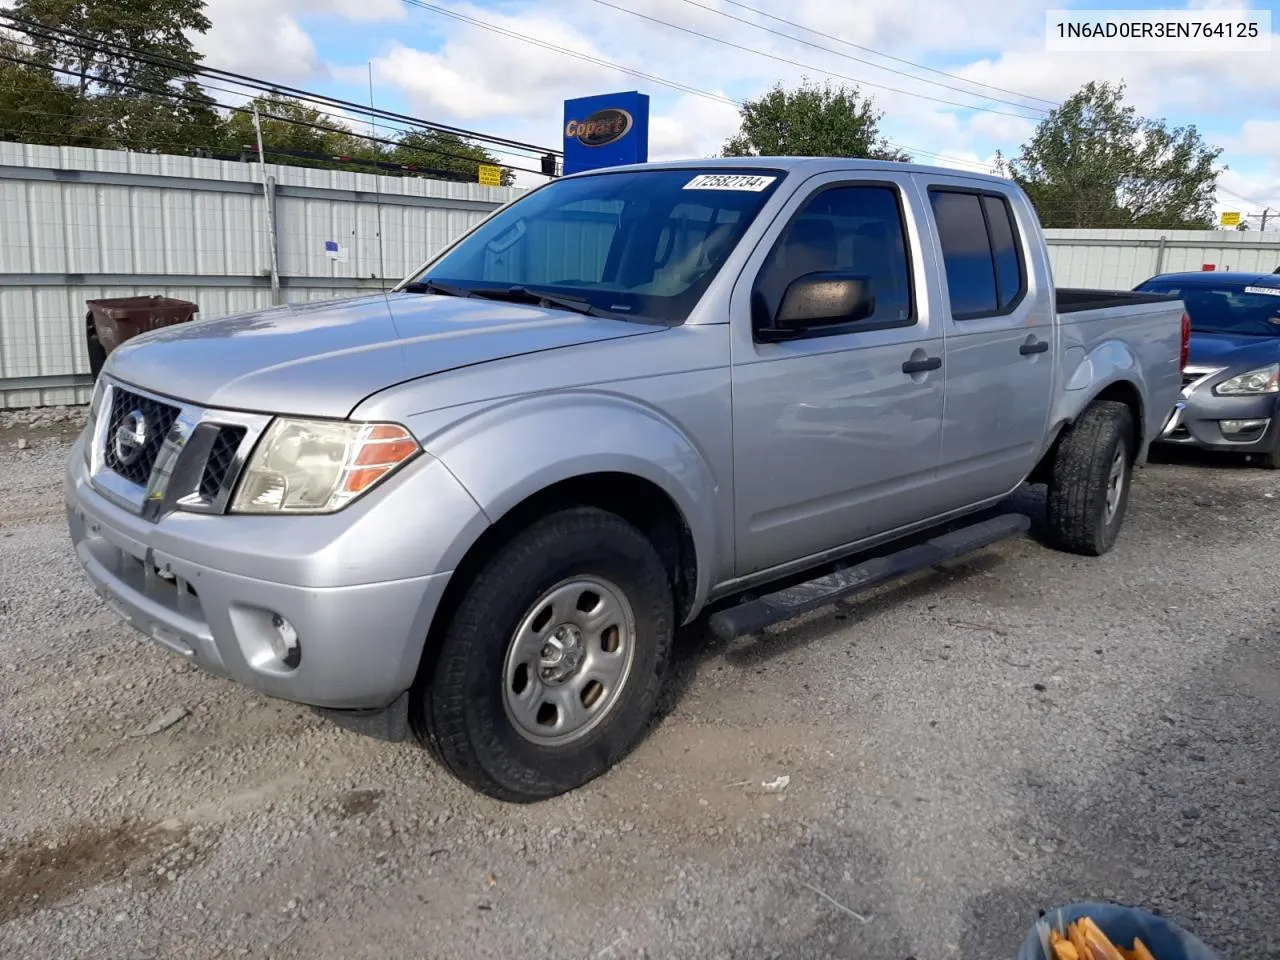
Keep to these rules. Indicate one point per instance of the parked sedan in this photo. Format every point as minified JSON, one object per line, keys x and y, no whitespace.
{"x":1231,"y":383}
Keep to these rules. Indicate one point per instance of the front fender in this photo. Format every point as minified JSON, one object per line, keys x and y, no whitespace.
{"x":507,"y":452}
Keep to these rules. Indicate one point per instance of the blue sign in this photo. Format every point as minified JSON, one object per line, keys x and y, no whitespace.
{"x":606,"y":131}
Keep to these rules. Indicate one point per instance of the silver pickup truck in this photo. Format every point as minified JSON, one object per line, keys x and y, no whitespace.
{"x":476,"y":509}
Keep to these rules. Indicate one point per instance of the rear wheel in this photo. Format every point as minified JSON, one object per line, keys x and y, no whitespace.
{"x":551,"y":666}
{"x":1090,"y":479}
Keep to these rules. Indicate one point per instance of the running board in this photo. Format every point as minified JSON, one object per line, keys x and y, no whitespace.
{"x":754,"y":615}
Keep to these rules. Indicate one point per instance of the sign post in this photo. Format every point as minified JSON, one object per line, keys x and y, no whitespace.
{"x":606,"y":131}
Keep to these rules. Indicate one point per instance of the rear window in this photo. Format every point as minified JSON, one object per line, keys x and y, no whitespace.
{"x":1251,"y":310}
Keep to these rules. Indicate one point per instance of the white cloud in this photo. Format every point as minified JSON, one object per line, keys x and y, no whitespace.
{"x":265,"y":37}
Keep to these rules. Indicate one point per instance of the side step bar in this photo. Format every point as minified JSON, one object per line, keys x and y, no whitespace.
{"x":754,"y":615}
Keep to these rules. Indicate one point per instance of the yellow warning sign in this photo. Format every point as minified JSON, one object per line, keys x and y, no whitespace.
{"x":1228,"y":219}
{"x":490,"y":176}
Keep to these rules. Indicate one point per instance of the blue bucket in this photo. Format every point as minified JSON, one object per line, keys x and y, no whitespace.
{"x":1164,"y":938}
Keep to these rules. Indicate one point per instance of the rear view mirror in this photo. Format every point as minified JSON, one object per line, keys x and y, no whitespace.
{"x":820,"y":300}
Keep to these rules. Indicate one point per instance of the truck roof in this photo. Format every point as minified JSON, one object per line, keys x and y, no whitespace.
{"x":806,"y":165}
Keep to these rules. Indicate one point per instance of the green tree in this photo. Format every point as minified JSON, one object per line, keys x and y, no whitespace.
{"x":811,"y":121}
{"x":130,"y":66}
{"x":292,"y":125}
{"x":438,"y":150}
{"x":1094,"y":162}
{"x":143,"y":42}
{"x":34,"y":106}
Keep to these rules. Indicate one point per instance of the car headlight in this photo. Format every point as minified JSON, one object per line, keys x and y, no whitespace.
{"x":1263,"y":380}
{"x":91,"y":422}
{"x":319,"y":466}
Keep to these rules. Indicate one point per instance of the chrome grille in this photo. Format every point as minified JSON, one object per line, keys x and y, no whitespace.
{"x":221,"y":457}
{"x":144,"y":419}
{"x":153,"y":455}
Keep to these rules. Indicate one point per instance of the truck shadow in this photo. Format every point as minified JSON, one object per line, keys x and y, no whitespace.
{"x":1186,"y":826}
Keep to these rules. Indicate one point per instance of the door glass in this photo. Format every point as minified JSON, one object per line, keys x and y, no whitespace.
{"x":856,"y":230}
{"x":1004,"y":248}
{"x":966,"y":251}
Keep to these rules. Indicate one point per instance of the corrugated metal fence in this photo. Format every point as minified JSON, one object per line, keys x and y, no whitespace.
{"x":1121,"y":259}
{"x":79,"y":224}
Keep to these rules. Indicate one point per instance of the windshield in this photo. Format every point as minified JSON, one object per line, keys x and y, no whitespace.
{"x":1236,"y":309}
{"x":643,"y":244}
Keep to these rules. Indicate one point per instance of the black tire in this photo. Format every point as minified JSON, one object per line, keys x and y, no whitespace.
{"x":1077,"y":515}
{"x":459,"y":707}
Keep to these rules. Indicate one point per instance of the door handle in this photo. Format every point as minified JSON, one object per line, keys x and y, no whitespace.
{"x":1037,"y":346}
{"x":920,"y":366}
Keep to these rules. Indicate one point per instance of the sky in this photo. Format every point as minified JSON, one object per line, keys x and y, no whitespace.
{"x":499,"y":66}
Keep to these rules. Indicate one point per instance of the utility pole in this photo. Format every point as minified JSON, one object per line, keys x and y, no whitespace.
{"x":269,"y":200}
{"x":1266,"y":211}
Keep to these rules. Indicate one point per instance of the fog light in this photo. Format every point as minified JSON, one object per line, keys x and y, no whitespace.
{"x":1241,"y":426}
{"x":284,"y":641}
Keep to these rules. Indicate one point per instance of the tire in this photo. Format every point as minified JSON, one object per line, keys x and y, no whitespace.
{"x":1097,"y":451}
{"x":483,"y":709}
{"x":97,"y":352}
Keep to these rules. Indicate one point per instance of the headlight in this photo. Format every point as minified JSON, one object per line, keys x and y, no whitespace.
{"x":319,"y":466}
{"x":1263,"y":380}
{"x":91,"y":423}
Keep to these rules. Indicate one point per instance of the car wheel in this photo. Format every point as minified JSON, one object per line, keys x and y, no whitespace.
{"x":1090,"y":480}
{"x":550,"y":667}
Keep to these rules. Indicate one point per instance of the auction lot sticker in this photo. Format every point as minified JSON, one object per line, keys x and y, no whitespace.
{"x":729,"y":181}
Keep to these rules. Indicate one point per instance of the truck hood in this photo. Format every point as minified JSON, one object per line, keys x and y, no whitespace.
{"x":323,"y":358}
{"x":1228,"y":351}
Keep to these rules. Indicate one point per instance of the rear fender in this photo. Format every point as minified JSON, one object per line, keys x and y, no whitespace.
{"x":1111,"y":370}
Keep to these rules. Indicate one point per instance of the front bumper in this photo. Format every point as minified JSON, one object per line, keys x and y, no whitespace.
{"x":1199,"y":418}
{"x":360,"y":635}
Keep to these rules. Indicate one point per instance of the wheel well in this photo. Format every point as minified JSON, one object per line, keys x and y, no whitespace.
{"x":1122,"y":391}
{"x":638,"y":501}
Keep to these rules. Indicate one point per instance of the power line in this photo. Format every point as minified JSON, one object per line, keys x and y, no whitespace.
{"x":639,"y":74}
{"x":86,"y":42}
{"x":805,"y":66}
{"x":870,"y":63}
{"x":211,"y":103}
{"x":856,"y":46}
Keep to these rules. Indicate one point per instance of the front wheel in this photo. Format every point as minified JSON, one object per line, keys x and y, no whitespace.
{"x":550,"y":668}
{"x":1090,"y":479}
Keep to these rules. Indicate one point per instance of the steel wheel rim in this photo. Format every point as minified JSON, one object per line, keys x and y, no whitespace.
{"x":568,"y":660}
{"x":1115,"y":484}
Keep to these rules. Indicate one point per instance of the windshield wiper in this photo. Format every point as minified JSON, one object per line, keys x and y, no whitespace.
{"x":435,"y":286}
{"x":542,"y":299}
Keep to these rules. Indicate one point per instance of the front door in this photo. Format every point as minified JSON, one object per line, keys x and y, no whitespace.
{"x":1000,"y":345}
{"x":836,"y":436}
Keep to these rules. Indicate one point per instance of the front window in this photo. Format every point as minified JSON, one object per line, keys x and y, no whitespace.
{"x":1236,"y":309}
{"x":639,"y":244}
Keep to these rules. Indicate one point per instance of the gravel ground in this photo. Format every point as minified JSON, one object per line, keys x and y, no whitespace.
{"x":1018,"y":730}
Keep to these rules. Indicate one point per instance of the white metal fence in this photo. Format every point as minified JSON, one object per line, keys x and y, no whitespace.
{"x":78,"y":224}
{"x":1121,"y":259}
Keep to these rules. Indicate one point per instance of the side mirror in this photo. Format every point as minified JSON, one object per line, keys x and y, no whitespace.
{"x":821,"y":300}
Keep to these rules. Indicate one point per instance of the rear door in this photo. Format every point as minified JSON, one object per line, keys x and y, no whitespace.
{"x":833,"y":440}
{"x":1000,"y":339}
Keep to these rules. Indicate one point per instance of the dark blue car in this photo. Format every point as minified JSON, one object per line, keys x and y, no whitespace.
{"x":1231,"y":384}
